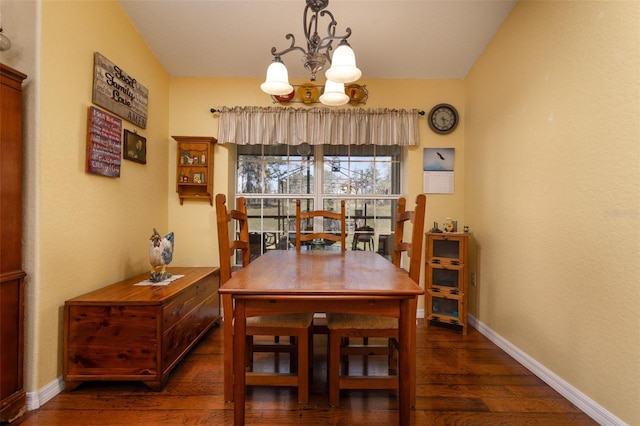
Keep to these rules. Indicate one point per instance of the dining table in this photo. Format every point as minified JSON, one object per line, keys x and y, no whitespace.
{"x":324,"y":281}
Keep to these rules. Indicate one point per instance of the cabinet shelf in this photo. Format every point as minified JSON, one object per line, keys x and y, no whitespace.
{"x":194,"y":168}
{"x":446,"y":278}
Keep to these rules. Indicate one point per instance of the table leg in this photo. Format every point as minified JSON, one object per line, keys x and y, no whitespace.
{"x":413,"y":349}
{"x":239,"y":344}
{"x":404,"y":361}
{"x":227,"y":324}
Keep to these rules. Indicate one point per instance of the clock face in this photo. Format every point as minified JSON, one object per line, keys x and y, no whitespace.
{"x":443,"y":118}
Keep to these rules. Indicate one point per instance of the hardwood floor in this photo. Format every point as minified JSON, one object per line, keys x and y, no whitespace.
{"x":462,"y":380}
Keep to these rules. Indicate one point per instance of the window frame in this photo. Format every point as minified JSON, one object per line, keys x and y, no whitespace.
{"x":316,"y":196}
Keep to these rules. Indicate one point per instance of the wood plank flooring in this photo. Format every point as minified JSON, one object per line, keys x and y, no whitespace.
{"x":462,"y":380}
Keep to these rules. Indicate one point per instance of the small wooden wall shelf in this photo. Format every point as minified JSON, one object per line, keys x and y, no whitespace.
{"x":194,"y":170}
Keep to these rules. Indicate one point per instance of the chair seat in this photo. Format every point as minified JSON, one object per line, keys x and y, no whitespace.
{"x":284,"y":321}
{"x":360,"y":321}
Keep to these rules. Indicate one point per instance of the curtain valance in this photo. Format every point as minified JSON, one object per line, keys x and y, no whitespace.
{"x":277,"y":125}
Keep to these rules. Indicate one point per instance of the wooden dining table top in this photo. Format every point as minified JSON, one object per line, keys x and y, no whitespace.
{"x":321,"y":273}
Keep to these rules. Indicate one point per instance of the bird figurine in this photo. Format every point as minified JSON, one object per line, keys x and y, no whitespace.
{"x":160,"y":255}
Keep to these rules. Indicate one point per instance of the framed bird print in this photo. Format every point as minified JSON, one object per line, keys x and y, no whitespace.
{"x":135,"y":147}
{"x":437,"y":165}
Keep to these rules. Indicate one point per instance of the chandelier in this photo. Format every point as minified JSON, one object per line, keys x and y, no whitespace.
{"x":343,"y":65}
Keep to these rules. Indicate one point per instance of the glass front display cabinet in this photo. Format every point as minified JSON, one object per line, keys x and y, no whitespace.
{"x":446,"y":278}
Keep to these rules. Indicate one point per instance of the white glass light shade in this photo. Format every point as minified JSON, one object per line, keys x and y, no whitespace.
{"x":343,"y":65}
{"x":5,"y":43}
{"x":277,"y":82}
{"x":334,"y":94}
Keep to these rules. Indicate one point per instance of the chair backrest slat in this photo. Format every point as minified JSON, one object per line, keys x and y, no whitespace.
{"x":413,"y":248}
{"x":303,"y":237}
{"x":227,"y":246}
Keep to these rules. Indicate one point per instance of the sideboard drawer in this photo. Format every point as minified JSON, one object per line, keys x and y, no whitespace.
{"x":178,"y":339}
{"x":187,"y":300}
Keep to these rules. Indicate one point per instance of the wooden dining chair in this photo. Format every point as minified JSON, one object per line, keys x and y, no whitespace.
{"x":342,"y":327}
{"x":296,"y":326}
{"x":324,"y":235}
{"x":306,"y":217}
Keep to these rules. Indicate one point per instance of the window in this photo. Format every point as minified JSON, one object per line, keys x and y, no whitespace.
{"x":273,"y":177}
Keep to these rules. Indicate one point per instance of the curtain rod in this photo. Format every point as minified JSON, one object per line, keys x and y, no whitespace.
{"x":213,"y":110}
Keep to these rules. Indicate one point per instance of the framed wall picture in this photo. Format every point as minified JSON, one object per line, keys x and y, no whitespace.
{"x":135,"y":147}
{"x":104,"y":143}
{"x":437,"y":168}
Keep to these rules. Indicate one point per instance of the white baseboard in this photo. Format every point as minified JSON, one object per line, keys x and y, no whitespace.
{"x":37,"y":399}
{"x":579,"y":399}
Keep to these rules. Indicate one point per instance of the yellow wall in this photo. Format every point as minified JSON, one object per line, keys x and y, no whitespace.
{"x":547,"y":177}
{"x":551,"y":190}
{"x":192,"y":99}
{"x":92,"y":230}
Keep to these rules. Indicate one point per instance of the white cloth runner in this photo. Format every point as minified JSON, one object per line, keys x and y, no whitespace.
{"x":165,"y":282}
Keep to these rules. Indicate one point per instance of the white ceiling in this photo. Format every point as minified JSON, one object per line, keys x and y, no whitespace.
{"x":395,"y":39}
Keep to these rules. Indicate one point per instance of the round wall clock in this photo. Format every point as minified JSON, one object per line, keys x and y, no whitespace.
{"x":443,"y":119}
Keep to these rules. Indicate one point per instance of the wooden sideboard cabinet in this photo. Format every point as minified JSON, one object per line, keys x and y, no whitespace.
{"x":12,"y":393}
{"x":446,"y":278}
{"x":140,"y":333}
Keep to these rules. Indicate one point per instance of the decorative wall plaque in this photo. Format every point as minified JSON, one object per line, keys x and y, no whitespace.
{"x":104,"y":143}
{"x":118,"y":92}
{"x":310,"y":94}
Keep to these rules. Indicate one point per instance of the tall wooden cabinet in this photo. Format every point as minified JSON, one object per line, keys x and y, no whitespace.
{"x":194,"y":170}
{"x":12,"y":276}
{"x":447,"y":277}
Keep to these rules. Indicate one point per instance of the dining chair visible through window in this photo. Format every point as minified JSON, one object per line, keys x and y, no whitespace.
{"x":310,"y":236}
{"x":296,"y":326}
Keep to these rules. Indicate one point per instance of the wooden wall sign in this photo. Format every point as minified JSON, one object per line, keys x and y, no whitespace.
{"x":104,"y":143}
{"x":118,"y":92}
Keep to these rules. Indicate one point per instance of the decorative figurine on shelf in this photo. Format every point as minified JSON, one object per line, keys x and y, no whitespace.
{"x":435,"y":228}
{"x":160,"y":255}
{"x":448,"y":225}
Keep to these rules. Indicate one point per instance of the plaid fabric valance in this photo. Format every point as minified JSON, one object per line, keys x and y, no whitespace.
{"x":317,"y":126}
